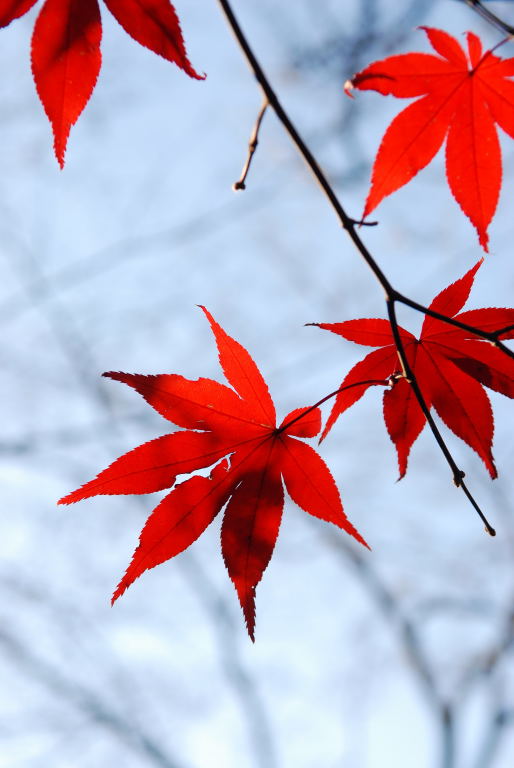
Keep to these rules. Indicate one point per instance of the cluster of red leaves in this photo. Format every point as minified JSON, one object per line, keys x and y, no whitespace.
{"x":234,"y":430}
{"x":66,"y":56}
{"x":451,"y":367}
{"x":463,"y":97}
{"x":231,"y":432}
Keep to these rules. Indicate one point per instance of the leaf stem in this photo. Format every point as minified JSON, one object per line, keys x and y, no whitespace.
{"x":252,"y":146}
{"x":366,"y":382}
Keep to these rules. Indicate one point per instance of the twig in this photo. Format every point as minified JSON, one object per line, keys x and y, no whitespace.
{"x":499,"y":333}
{"x":448,"y":736}
{"x":458,"y":474}
{"x":252,"y":146}
{"x":490,"y":17}
{"x":350,"y":224}
{"x":498,"y":724}
{"x":491,"y":336}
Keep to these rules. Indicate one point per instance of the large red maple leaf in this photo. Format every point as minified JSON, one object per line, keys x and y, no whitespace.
{"x":450,"y":366}
{"x":463,"y":97}
{"x":234,"y":430}
{"x":66,"y":56}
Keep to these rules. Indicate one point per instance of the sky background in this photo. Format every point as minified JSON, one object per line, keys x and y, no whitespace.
{"x":358,"y":655}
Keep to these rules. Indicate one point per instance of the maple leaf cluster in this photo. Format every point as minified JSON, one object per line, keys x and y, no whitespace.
{"x":66,"y":55}
{"x":238,"y":459}
{"x":235,"y":430}
{"x":463,"y":98}
{"x":451,"y":366}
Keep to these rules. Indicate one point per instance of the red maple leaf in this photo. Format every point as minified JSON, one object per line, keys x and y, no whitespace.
{"x":66,"y":54}
{"x":450,"y":366}
{"x":234,"y":430}
{"x":462,"y":99}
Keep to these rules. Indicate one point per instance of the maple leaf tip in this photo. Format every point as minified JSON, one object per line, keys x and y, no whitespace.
{"x":68,"y":499}
{"x":206,"y":312}
{"x":114,"y":375}
{"x":348,"y":88}
{"x":120,"y":589}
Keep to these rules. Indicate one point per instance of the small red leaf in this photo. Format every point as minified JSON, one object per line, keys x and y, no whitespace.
{"x":450,"y":366}
{"x":154,"y":24}
{"x":242,"y":373}
{"x":461,"y":402}
{"x":461,"y":98}
{"x":66,"y":56}
{"x":489,"y":319}
{"x":180,"y":518}
{"x":448,"y":302}
{"x":404,"y":419}
{"x":250,"y":528}
{"x":200,"y":404}
{"x":241,"y":430}
{"x":307,"y":425}
{"x":13,"y":9}
{"x":153,"y":466}
{"x":66,"y":61}
{"x":483,"y":362}
{"x":310,"y":484}
{"x":369,"y":332}
{"x":409,"y":144}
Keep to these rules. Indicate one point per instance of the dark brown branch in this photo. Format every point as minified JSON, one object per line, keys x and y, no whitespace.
{"x":507,"y":329}
{"x":491,"y":336}
{"x":458,"y":474}
{"x":490,"y":17}
{"x":346,"y":221}
{"x":252,"y":146}
{"x":350,"y":225}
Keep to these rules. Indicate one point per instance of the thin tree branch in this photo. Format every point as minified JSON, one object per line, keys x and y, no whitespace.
{"x":498,"y":724}
{"x":507,"y":329}
{"x":491,"y":336}
{"x":458,"y":474}
{"x":84,"y":700}
{"x":252,"y":146}
{"x":350,"y":225}
{"x":448,"y":756}
{"x":490,"y":17}
{"x":346,"y":221}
